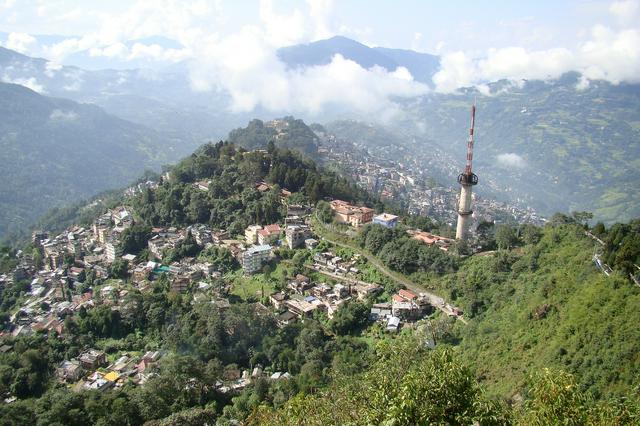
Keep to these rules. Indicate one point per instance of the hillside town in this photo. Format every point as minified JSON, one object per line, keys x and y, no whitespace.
{"x":85,"y":267}
{"x":402,"y":177}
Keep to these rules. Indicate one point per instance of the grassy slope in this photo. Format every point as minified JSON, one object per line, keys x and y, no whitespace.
{"x":591,"y":328}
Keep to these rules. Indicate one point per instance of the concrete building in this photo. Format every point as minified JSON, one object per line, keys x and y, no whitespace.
{"x":387,"y":220}
{"x":295,"y":236}
{"x":251,"y":234}
{"x":353,"y":215}
{"x":269,"y":234}
{"x":180,"y":284}
{"x":254,"y":257}
{"x":112,"y":250}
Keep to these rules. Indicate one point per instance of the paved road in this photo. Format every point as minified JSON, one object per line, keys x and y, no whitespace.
{"x":435,"y":300}
{"x":336,"y":276}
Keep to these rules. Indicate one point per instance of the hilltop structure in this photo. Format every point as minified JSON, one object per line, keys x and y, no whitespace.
{"x":467,"y":180}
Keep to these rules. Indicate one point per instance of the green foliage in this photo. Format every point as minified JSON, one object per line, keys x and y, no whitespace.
{"x":232,"y":202}
{"x":351,"y":318}
{"x":553,"y":397}
{"x":546,"y":305}
{"x":220,"y":257}
{"x":295,"y":135}
{"x":135,"y":238}
{"x":323,"y":211}
{"x":622,"y":247}
{"x":422,"y":223}
{"x":8,"y":260}
{"x":405,"y":385}
{"x":102,"y":321}
{"x":404,"y":254}
{"x":506,"y":236}
{"x":185,"y":248}
{"x":119,"y":268}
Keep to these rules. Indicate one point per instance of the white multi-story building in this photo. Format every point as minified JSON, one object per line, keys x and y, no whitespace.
{"x":254,"y":257}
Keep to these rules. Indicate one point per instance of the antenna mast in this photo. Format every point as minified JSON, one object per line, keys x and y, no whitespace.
{"x":467,"y":169}
{"x":467,"y":180}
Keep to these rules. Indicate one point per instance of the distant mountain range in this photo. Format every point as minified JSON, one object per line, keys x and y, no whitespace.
{"x":55,"y":151}
{"x":545,"y":144}
{"x":162,"y":100}
{"x":421,"y":65}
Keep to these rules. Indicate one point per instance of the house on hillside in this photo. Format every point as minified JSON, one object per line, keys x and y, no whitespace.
{"x":387,"y":220}
{"x":353,"y":215}
{"x":254,"y":257}
{"x":269,"y":234}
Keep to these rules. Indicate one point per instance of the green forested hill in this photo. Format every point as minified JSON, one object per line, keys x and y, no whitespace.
{"x":55,"y":151}
{"x":290,"y":133}
{"x":550,"y":340}
{"x":232,"y":201}
{"x":547,"y":305}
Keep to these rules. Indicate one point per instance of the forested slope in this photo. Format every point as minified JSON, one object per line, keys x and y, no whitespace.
{"x":547,"y":305}
{"x":55,"y":151}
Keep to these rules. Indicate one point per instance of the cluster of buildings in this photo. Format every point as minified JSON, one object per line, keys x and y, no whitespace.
{"x":261,"y":239}
{"x":91,"y":371}
{"x":443,"y":243}
{"x":407,"y":175}
{"x":303,"y":297}
{"x":404,"y":306}
{"x":236,"y":380}
{"x":344,"y":212}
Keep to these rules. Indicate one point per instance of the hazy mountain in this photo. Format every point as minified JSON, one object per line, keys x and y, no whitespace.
{"x":546,"y":144}
{"x":55,"y":151}
{"x":421,"y":65}
{"x":160,"y":99}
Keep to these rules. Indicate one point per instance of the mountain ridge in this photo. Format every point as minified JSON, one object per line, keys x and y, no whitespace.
{"x":56,"y":151}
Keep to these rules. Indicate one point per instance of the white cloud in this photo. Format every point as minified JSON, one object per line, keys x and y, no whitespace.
{"x":583,"y":83}
{"x":246,"y":65}
{"x":320,"y":12}
{"x":51,"y":68}
{"x":74,"y":79}
{"x":116,"y":50}
{"x":612,"y":56}
{"x":625,"y":11}
{"x":608,"y":55}
{"x":511,"y":161}
{"x":20,"y":42}
{"x":60,"y":116}
{"x":30,"y":83}
{"x":281,"y":30}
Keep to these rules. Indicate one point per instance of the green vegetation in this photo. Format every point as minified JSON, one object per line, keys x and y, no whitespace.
{"x":93,"y":152}
{"x":547,"y":305}
{"x":549,"y":337}
{"x":406,"y":384}
{"x":232,"y":201}
{"x":402,"y":253}
{"x":291,"y":134}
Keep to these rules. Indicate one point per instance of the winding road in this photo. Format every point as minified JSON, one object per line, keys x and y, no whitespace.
{"x":437,"y":301}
